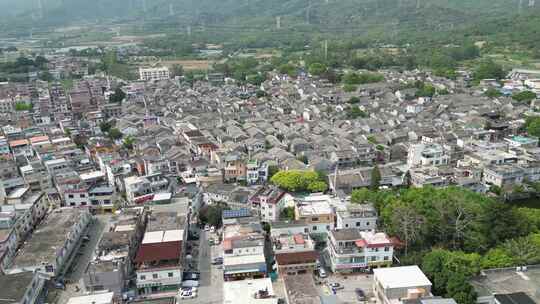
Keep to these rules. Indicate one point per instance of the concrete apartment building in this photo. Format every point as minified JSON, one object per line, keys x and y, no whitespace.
{"x":22,"y":288}
{"x":158,"y":262}
{"x":294,"y":254}
{"x":360,"y":216}
{"x":50,"y":247}
{"x":151,"y":74}
{"x":351,"y":250}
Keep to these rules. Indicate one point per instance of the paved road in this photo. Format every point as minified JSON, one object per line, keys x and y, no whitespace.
{"x":204,"y":260}
{"x":211,"y":289}
{"x":83,"y":256}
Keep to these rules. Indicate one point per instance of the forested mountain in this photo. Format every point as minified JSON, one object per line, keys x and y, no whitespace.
{"x":324,"y":13}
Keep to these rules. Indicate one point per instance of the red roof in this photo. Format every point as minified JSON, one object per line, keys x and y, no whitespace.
{"x":299,"y":239}
{"x":158,"y":252}
{"x":296,"y":257}
{"x":361,"y":243}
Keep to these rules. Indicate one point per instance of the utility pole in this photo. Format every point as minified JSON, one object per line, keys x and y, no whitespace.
{"x":278,"y":22}
{"x":325,"y":50}
{"x":189,"y":30}
{"x":308,"y":11}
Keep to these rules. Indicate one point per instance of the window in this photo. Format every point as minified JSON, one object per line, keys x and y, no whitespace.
{"x":367,"y":223}
{"x":170,"y":274}
{"x":386,"y":258}
{"x":373,"y":258}
{"x":71,"y":196}
{"x":328,"y":227}
{"x":386,"y":248}
{"x":314,"y":219}
{"x":143,"y":277}
{"x":82,"y":195}
{"x":314,"y":228}
{"x":154,"y":276}
{"x":357,"y":224}
{"x":346,"y":225}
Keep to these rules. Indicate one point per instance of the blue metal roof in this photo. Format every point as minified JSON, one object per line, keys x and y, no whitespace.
{"x":244,"y":212}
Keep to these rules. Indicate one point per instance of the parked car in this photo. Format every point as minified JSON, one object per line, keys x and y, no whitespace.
{"x":188,"y":295}
{"x":186,"y":289}
{"x":194,"y":276}
{"x":217,"y":261}
{"x":322,"y":273}
{"x":336,"y":286}
{"x":360,"y":295}
{"x":206,"y":227}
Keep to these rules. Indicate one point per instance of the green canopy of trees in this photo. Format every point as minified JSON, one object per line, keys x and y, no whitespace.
{"x":287,"y":214}
{"x":117,"y":96}
{"x":22,"y":106}
{"x":488,"y":70}
{"x":353,"y":78}
{"x":524,"y":96}
{"x":492,"y":93}
{"x":354,"y":112}
{"x":211,"y":214}
{"x":300,"y":181}
{"x":317,"y":69}
{"x":533,"y":126}
{"x":451,"y":218}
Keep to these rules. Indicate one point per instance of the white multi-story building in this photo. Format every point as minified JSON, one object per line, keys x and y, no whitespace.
{"x":396,"y":284}
{"x":359,"y":216}
{"x":427,"y":155}
{"x":159,"y":73}
{"x":351,"y":250}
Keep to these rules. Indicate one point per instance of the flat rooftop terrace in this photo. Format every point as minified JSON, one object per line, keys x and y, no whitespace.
{"x":509,"y":280}
{"x":47,"y":239}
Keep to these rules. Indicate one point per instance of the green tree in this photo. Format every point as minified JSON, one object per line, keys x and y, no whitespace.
{"x":354,"y":100}
{"x":492,"y":93}
{"x":524,"y":96}
{"x":22,"y":106}
{"x":349,"y":88}
{"x":497,"y":258}
{"x":317,"y":69}
{"x":317,"y":186}
{"x":128,"y":142}
{"x":354,"y":112}
{"x":105,"y":126}
{"x":177,"y":70}
{"x":287,"y":214}
{"x":115,"y":134}
{"x":272,"y":170}
{"x":488,"y":70}
{"x":118,"y":96}
{"x":533,"y":127}
{"x":375,"y":181}
{"x":212,"y":214}
{"x":298,"y":180}
{"x":360,"y":196}
{"x":46,"y":76}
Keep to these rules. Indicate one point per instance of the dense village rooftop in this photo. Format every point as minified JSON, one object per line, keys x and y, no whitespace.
{"x":47,"y":239}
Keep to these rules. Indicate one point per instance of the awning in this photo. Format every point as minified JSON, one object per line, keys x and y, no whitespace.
{"x":242,"y":271}
{"x":361,"y":243}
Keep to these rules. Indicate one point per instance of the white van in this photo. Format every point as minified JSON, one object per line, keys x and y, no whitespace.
{"x":322,"y":273}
